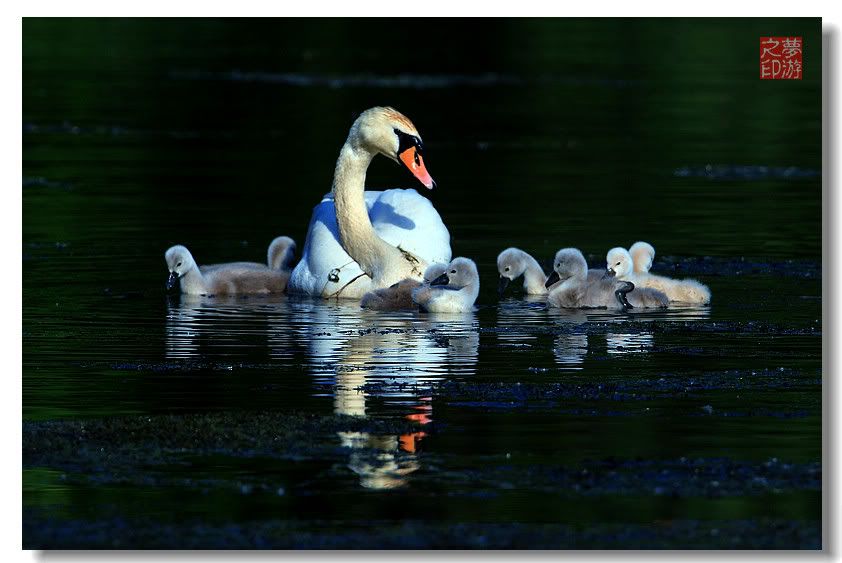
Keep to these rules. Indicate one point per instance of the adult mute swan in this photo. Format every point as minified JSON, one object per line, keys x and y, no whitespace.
{"x":361,"y":240}
{"x":621,"y":265}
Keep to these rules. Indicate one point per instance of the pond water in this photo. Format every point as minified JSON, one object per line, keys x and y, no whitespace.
{"x":159,"y":421}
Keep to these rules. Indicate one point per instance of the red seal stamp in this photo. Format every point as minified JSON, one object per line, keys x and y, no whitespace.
{"x":781,"y":58}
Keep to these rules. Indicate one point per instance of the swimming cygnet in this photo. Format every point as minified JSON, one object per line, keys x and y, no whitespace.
{"x":398,"y":296}
{"x":643,"y":254}
{"x":576,"y":290}
{"x":514,"y":262}
{"x":281,"y":253}
{"x":237,"y":278}
{"x":620,"y":266}
{"x":454,"y":291}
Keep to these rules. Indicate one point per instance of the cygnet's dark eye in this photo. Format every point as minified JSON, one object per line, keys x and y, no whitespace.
{"x":507,"y":268}
{"x":617,"y":264}
{"x":452,"y":271}
{"x":178,"y":265}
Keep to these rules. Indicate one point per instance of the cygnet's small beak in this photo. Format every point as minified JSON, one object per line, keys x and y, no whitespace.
{"x":554,"y":278}
{"x":504,"y":283}
{"x":609,"y":273}
{"x":172,"y":281}
{"x":441,"y":280}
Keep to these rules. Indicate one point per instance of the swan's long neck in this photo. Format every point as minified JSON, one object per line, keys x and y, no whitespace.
{"x":193,"y":282}
{"x":534,"y":277}
{"x":356,"y":233}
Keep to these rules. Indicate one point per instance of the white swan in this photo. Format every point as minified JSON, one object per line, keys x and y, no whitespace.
{"x":455,"y":291}
{"x":620,"y":265}
{"x":577,"y":290}
{"x":362,"y":240}
{"x":235,"y":278}
{"x":398,"y":296}
{"x":643,"y":254}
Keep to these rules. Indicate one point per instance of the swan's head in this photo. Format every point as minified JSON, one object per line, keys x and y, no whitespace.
{"x":643,"y":254}
{"x":511,"y":264}
{"x":433,"y":271}
{"x":179,"y":261}
{"x":461,"y":272}
{"x":568,"y":263}
{"x":387,"y":131}
{"x":618,"y":263}
{"x":281,"y":253}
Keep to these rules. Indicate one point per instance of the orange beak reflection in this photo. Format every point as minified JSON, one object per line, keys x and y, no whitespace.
{"x":412,"y":159}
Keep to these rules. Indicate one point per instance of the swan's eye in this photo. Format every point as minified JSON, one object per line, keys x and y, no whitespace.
{"x":617,"y":264}
{"x":452,"y":271}
{"x":507,"y":268}
{"x":178,"y":265}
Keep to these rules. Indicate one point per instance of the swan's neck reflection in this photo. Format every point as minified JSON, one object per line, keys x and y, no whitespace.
{"x":394,"y":359}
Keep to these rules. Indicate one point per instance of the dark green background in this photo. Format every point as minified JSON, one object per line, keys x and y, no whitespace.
{"x":222,"y":134}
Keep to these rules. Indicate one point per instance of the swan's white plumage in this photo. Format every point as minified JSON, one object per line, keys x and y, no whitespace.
{"x":401,"y":217}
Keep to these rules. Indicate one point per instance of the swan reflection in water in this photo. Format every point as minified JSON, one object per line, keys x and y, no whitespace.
{"x":373,"y":364}
{"x":390,"y":361}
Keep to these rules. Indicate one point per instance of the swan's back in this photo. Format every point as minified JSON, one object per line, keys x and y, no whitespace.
{"x":234,"y":278}
{"x":601,"y":293}
{"x":682,"y":291}
{"x":400,"y":217}
{"x":397,"y":297}
{"x":208,"y":268}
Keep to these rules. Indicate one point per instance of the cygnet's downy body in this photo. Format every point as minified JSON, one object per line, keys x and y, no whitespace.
{"x":620,"y":265}
{"x":514,"y":262}
{"x":454,"y":291}
{"x":575,"y":290}
{"x":399,"y":296}
{"x":235,"y":278}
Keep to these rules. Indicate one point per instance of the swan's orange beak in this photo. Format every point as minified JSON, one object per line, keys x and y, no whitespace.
{"x":412,"y":159}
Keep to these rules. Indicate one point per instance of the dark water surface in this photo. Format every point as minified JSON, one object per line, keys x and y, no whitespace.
{"x":280,"y":422}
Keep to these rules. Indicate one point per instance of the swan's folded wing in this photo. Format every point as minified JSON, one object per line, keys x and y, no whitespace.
{"x":407,"y":219}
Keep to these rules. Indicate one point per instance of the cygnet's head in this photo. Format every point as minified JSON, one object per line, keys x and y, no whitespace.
{"x":511,"y":264}
{"x":568,"y":263}
{"x":179,"y":261}
{"x":281,"y":253}
{"x":387,"y":131}
{"x":433,"y":271}
{"x":643,"y":254}
{"x":461,"y":272}
{"x":618,"y":263}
